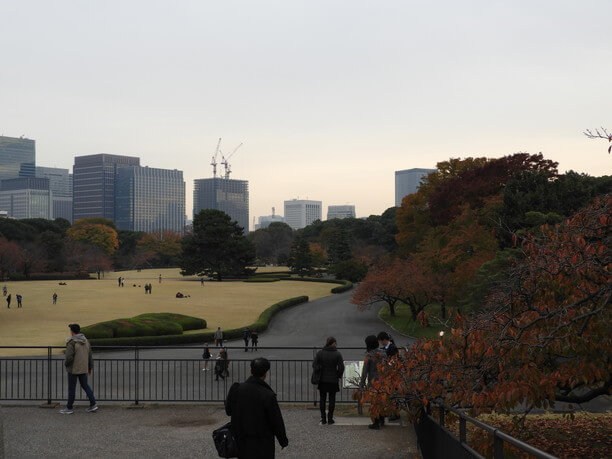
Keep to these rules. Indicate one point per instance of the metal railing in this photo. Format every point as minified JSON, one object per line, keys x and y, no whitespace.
{"x":436,"y":440}
{"x":143,"y":377}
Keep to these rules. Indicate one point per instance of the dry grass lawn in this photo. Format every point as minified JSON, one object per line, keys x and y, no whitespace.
{"x":224,"y":304}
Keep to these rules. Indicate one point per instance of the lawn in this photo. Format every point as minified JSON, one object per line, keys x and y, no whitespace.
{"x":223,"y":304}
{"x":403,"y":323}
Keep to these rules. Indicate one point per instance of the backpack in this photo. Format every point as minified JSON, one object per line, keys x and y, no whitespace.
{"x":225,"y":441}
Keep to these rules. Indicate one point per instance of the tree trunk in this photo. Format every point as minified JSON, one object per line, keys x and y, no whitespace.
{"x":443,"y":309}
{"x":392,"y":309}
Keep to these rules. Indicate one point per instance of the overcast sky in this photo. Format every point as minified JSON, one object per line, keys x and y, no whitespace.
{"x":329,"y":97}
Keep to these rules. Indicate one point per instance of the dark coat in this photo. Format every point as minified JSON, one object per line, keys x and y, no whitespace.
{"x":330,"y":363}
{"x":256,"y":419}
{"x":391,"y":349}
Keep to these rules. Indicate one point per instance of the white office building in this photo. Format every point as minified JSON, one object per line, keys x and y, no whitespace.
{"x":346,"y":211}
{"x":407,"y":182}
{"x":302,"y":212}
{"x":26,"y":197}
{"x":60,"y":185}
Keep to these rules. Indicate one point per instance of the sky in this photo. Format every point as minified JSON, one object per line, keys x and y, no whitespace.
{"x":329,"y":97}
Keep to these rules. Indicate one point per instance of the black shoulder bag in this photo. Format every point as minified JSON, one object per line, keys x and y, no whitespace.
{"x":225,"y":441}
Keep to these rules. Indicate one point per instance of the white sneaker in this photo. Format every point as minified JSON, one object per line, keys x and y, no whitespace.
{"x":66,"y":411}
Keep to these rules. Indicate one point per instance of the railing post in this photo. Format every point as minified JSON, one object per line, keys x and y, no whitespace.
{"x":442,"y":416}
{"x":136,"y":375}
{"x":498,"y":446}
{"x":49,"y":375}
{"x":314,"y":354}
{"x":462,"y":430}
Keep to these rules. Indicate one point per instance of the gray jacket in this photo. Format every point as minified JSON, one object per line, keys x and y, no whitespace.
{"x":79,"y":359}
{"x":370,"y":366}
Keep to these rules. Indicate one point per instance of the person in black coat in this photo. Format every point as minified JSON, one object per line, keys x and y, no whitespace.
{"x":387,"y":344}
{"x":330,"y":366}
{"x":256,"y":416}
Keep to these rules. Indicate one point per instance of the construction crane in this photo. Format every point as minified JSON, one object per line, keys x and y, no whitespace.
{"x":226,"y":165}
{"x":213,"y":163}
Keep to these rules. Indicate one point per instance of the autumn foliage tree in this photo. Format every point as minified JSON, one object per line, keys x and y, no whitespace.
{"x":543,"y":337}
{"x":93,"y":232}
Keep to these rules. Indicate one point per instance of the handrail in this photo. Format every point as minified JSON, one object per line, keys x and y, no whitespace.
{"x":499,"y":437}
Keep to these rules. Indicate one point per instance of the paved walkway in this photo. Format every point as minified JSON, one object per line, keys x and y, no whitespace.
{"x":185,"y":432}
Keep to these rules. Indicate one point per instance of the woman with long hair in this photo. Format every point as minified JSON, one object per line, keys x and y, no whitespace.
{"x":329,"y":365}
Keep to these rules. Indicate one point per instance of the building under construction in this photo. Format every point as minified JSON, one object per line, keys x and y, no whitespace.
{"x":222,"y":193}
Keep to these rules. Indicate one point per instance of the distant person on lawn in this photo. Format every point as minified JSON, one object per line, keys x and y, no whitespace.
{"x":19,"y":300}
{"x":54,"y":298}
{"x":256,"y":416}
{"x":79,"y":363}
{"x":4,"y":290}
{"x":8,"y":301}
{"x":219,"y":337}
{"x":160,"y":278}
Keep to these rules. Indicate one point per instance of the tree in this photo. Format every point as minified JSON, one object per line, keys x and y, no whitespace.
{"x":52,"y":245}
{"x":217,"y":247}
{"x":83,"y":258}
{"x":351,"y":270}
{"x":300,"y":258}
{"x":543,"y":337}
{"x":338,"y":249}
{"x":100,"y":235}
{"x":11,"y":257}
{"x":162,"y":250}
{"x":273,"y":242}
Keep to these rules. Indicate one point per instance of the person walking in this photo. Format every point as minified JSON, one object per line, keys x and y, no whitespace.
{"x":8,"y":301}
{"x":206,"y":356}
{"x":218,"y":337}
{"x":4,"y":291}
{"x":373,"y":357}
{"x":219,"y":367}
{"x":78,"y":363}
{"x":150,"y":289}
{"x":119,"y":281}
{"x":146,"y":288}
{"x":19,"y":300}
{"x":225,"y":362}
{"x":256,"y":416}
{"x":160,"y":278}
{"x":246,"y":335}
{"x":54,"y":298}
{"x":329,"y":364}
{"x":254,"y":340}
{"x":201,"y":282}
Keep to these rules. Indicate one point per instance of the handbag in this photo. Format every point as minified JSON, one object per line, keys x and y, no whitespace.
{"x":225,"y":441}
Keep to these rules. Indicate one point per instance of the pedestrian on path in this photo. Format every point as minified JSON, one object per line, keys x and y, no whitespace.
{"x":256,"y":416}
{"x":19,"y":300}
{"x":54,"y":298}
{"x":218,"y":337}
{"x":330,"y":366}
{"x":373,"y":357}
{"x":206,"y":356}
{"x":79,"y":363}
{"x":246,"y":335}
{"x":254,"y":340}
{"x":119,"y":281}
{"x":8,"y":301}
{"x":160,"y":278}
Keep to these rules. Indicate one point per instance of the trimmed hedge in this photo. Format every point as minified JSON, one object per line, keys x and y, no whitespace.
{"x":344,"y":284}
{"x":261,"y":279}
{"x":144,"y":325}
{"x":259,"y":325}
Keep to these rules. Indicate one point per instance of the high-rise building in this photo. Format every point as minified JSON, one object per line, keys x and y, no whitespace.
{"x":407,"y":182}
{"x":302,"y":212}
{"x":347,"y":211}
{"x":60,"y":184}
{"x":27,"y":197}
{"x":17,"y":157}
{"x":149,"y":199}
{"x":229,"y":195}
{"x":94,"y":184}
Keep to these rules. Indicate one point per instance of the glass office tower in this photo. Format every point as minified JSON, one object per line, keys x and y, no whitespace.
{"x":17,"y":157}
{"x":93,"y":189}
{"x":60,"y":184}
{"x":27,"y":197}
{"x":149,"y":199}
{"x":230,"y":196}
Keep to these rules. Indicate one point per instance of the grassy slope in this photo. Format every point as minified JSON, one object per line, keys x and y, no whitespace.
{"x":402,"y":321}
{"x":224,"y":304}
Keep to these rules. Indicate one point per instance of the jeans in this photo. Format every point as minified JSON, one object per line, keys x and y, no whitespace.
{"x":332,"y":404}
{"x":72,"y":380}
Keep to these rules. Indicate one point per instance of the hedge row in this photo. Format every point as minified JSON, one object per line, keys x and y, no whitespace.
{"x":261,"y":279}
{"x":144,"y":325}
{"x":259,"y":325}
{"x":344,"y":284}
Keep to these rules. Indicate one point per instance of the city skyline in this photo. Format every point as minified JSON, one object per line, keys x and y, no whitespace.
{"x":327,"y":116}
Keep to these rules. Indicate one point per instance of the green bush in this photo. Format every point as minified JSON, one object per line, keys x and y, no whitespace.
{"x":261,"y":279}
{"x":187,"y":322}
{"x":259,"y":325}
{"x":343,"y":288}
{"x":144,"y":325}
